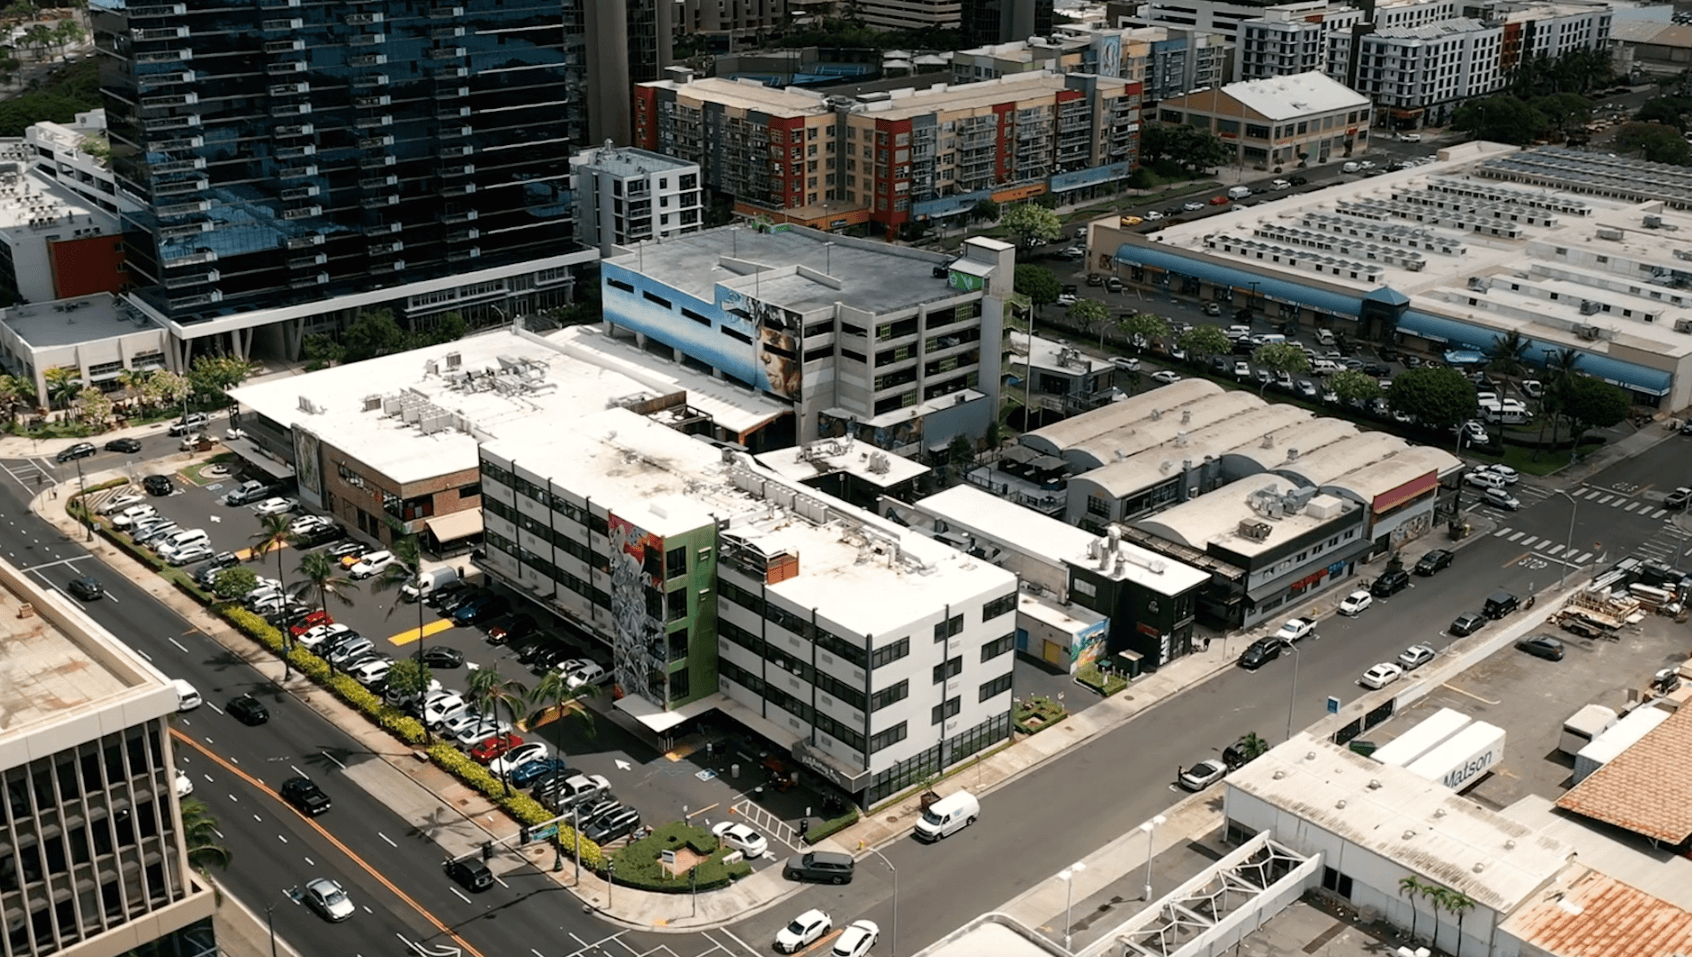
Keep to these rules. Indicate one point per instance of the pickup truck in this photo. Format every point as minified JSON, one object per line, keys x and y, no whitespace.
{"x":1296,"y":629}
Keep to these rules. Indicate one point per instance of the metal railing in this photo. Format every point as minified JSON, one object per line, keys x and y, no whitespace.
{"x":768,"y":824}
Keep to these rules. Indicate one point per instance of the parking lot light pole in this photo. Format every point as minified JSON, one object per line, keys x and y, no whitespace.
{"x":892,"y":942}
{"x":1069,"y":875}
{"x":1568,"y":543}
{"x":82,"y":498}
{"x":1150,"y":827}
{"x":610,"y":881}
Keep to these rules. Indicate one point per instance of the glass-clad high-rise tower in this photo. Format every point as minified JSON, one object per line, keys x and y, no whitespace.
{"x":306,"y":159}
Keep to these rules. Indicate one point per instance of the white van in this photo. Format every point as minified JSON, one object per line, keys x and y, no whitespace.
{"x":1239,"y":192}
{"x":1325,"y":337}
{"x":177,"y":541}
{"x":426,"y":582}
{"x":947,"y":816}
{"x":1325,"y":367}
{"x":187,"y":699}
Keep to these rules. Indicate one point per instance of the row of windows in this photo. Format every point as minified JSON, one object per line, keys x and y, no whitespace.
{"x":891,"y":652}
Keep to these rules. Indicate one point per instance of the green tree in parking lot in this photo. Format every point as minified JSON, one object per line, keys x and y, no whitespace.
{"x":403,"y":571}
{"x":1038,"y":283}
{"x":1089,"y":312}
{"x":1354,"y":387}
{"x":491,"y":692}
{"x":1592,"y":403}
{"x":1030,"y":224}
{"x":1148,"y":326}
{"x":409,"y":678}
{"x":321,"y":574}
{"x":1441,"y":398}
{"x":555,"y":699}
{"x":232,"y":584}
{"x":213,"y":376}
{"x":1281,"y":357}
{"x":273,"y":536}
{"x":1202,"y":342}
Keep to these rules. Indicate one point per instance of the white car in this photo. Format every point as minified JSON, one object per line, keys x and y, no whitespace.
{"x":189,"y":554}
{"x":306,"y":523}
{"x":1296,"y":629}
{"x":1356,"y":603}
{"x":1501,"y":499}
{"x":1416,"y":656}
{"x":1481,"y":478}
{"x":1166,"y":377}
{"x":1381,"y":675}
{"x":805,"y":930}
{"x":856,"y":940}
{"x":133,"y":514}
{"x":517,"y":757}
{"x":1067,"y":299}
{"x":457,"y":721}
{"x":184,"y":784}
{"x":275,"y":506}
{"x":586,"y":674}
{"x":318,"y":634}
{"x":121,"y":501}
{"x":372,"y":672}
{"x":1203,"y":774}
{"x":741,"y":838}
{"x":1505,"y":472}
{"x":473,"y":734}
{"x":371,"y":564}
{"x":1152,"y":215}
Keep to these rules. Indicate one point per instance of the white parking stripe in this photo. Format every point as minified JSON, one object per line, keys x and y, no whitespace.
{"x":1582,"y":559}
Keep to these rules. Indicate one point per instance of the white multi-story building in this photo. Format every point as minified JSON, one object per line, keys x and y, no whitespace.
{"x":875,"y":655}
{"x":1418,"y":75}
{"x":625,"y":195}
{"x":1284,"y":42}
{"x":910,"y":14}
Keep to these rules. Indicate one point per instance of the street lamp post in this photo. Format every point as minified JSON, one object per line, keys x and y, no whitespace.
{"x":270,"y":916}
{"x":1150,"y":827}
{"x":1568,"y":543}
{"x":1293,"y":698}
{"x":610,"y":881}
{"x":892,"y":942}
{"x":1069,"y":875}
{"x":82,"y":498}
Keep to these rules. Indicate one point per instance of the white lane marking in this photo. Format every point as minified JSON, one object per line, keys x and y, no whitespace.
{"x":731,"y":935}
{"x":1517,"y":535}
{"x":1555,"y":550}
{"x":282,"y":837}
{"x":210,"y":705}
{"x":62,"y":561}
{"x":332,"y":759}
{"x":180,"y":647}
{"x":1503,"y":532}
{"x":458,"y":894}
{"x":1582,"y":559}
{"x":386,"y":838}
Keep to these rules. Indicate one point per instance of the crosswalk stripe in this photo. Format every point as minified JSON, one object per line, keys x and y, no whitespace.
{"x":1503,"y":532}
{"x":1555,"y":550}
{"x":1526,"y":542}
{"x":1595,"y":493}
{"x":1517,"y":535}
{"x":1582,"y":559}
{"x":1617,"y":503}
{"x":1659,"y":513}
{"x":1605,"y":499}
{"x":1633,"y":506}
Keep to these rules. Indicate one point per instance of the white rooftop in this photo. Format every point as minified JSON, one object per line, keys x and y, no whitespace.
{"x":828,"y":456}
{"x":565,"y":382}
{"x":1049,"y":354}
{"x":972,"y":509}
{"x":1215,"y":517}
{"x":33,"y":204}
{"x":1059,"y":437}
{"x":1290,"y":97}
{"x":1413,"y":822}
{"x":628,"y":161}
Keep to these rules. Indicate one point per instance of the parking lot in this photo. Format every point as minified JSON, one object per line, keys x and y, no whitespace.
{"x":1529,"y":698}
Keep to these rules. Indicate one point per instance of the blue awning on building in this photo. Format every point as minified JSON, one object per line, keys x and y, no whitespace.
{"x":1271,"y":288}
{"x":1452,"y":332}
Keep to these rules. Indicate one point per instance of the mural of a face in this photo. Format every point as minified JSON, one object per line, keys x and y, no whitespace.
{"x":778,"y":354}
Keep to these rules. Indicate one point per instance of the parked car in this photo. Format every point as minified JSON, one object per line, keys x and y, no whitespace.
{"x":247,"y":492}
{"x":320,"y":534}
{"x":370,"y":564}
{"x":189,"y":554}
{"x":1391,"y":582}
{"x":311,"y":620}
{"x":304,"y":794}
{"x":86,"y":588}
{"x":1678,"y":498}
{"x":856,"y":940}
{"x":828,"y":867}
{"x":1296,"y":629}
{"x":586,"y":673}
{"x":803,"y":931}
{"x":492,"y":747}
{"x":206,"y":573}
{"x":1381,"y":675}
{"x":348,"y":549}
{"x":742,"y":838}
{"x":1356,"y":603}
{"x":515,"y":628}
{"x":1466,"y":624}
{"x":80,"y":450}
{"x":371,"y":672}
{"x":133,"y":514}
{"x":159,"y":485}
{"x":481,"y":608}
{"x":189,"y":423}
{"x":534,"y":770}
{"x":318,"y":639}
{"x":1542,"y":646}
{"x":1259,"y":653}
{"x":329,"y":899}
{"x":1203,"y":774}
{"x":1165,"y":377}
{"x":1509,"y":475}
{"x":119,"y":502}
{"x":443,"y":656}
{"x":610,"y":826}
{"x":306,"y":523}
{"x":515,"y":755}
{"x":1433,"y":561}
{"x":247,"y":709}
{"x":1416,"y":656}
{"x":275,"y":506}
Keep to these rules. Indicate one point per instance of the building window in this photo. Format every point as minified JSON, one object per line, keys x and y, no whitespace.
{"x":950,"y":668}
{"x":946,"y":709}
{"x":890,"y":653}
{"x":887,"y":696}
{"x":1002,"y":605}
{"x":660,"y":300}
{"x":948,"y":628}
{"x":1097,"y":506}
{"x":996,"y":687}
{"x":888,"y":738}
{"x":997,"y":647}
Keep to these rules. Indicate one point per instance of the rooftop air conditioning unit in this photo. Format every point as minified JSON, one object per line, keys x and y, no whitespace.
{"x":1653,"y":222}
{"x":1683,"y":325}
{"x":1587,"y":332}
{"x":1256,"y":531}
{"x":1589,"y":308}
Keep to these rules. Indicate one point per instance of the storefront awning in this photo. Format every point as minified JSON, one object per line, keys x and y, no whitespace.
{"x":456,"y":526}
{"x":250,"y":453}
{"x":830,"y":767}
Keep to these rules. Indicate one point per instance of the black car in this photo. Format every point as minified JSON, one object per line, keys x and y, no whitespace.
{"x":613,"y":825}
{"x":1261,"y":652}
{"x":86,"y":588}
{"x":320,"y":535}
{"x":481,"y":608}
{"x":1467,"y":624}
{"x":304,"y":794}
{"x":1376,"y":369}
{"x":1433,"y":561}
{"x":248,"y":710}
{"x":823,"y":866}
{"x":441,"y":593}
{"x":348,"y":548}
{"x":291,"y":613}
{"x":470,"y":873}
{"x":80,"y":450}
{"x":204,"y":573}
{"x":448,"y":601}
{"x":441,"y":656}
{"x":1542,"y":646}
{"x":158,"y":485}
{"x":1298,"y":181}
{"x":1391,"y":582}
{"x":124,"y":445}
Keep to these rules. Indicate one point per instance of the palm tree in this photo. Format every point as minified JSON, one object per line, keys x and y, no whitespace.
{"x":491,"y":691}
{"x":407,"y":564}
{"x":273,"y":536}
{"x":63,"y":383}
{"x":1458,"y":903}
{"x":1561,"y":366}
{"x":1411,"y":888}
{"x":552,"y":694}
{"x":133,"y":381}
{"x":199,"y":833}
{"x":320,"y":574}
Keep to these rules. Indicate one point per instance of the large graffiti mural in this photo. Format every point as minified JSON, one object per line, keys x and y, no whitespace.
{"x":637,"y":590}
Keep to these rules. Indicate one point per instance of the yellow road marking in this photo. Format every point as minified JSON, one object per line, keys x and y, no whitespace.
{"x":1469,"y":694}
{"x":413,"y":635}
{"x":361,"y":862}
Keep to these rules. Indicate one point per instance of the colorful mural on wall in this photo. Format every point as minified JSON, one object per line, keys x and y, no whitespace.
{"x":637,"y":645}
{"x":1089,"y":645}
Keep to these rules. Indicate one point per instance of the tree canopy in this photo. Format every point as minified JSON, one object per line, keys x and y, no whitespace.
{"x":1592,"y":403}
{"x":1202,"y":342}
{"x":1031,"y":223}
{"x":1501,"y":119}
{"x":1354,"y":386}
{"x":1038,"y":283}
{"x":1440,"y":398}
{"x":1654,"y":143}
{"x":1282,"y":357}
{"x":1667,"y":110}
{"x":1182,"y":146}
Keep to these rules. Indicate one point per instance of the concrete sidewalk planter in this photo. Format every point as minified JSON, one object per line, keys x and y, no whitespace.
{"x":640,"y":864}
{"x":1037,"y":714}
{"x":1106,"y":683}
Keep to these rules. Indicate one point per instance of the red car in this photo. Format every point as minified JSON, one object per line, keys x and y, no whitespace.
{"x":1219,"y":200}
{"x":494,"y":747}
{"x":319,"y":617}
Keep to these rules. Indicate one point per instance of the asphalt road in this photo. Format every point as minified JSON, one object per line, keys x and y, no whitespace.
{"x":1050,"y":818}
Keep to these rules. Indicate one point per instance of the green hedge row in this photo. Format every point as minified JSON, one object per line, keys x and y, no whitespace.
{"x":638,"y":864}
{"x":832,"y":826}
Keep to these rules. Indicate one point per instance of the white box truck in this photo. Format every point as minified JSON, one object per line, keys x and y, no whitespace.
{"x":1624,"y":735}
{"x":1427,"y":734}
{"x":1464,"y":757}
{"x":1584,"y":726}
